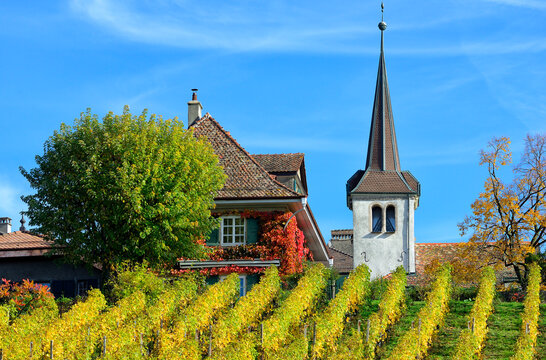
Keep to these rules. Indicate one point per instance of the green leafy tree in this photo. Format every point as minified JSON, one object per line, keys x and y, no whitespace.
{"x":127,"y":188}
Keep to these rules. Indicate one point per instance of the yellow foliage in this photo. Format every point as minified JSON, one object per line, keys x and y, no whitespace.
{"x":472,"y":339}
{"x":330,"y":323}
{"x":508,"y":219}
{"x":525,"y":346}
{"x":415,"y":342}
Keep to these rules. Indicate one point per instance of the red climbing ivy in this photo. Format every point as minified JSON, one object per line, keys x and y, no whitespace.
{"x":274,"y":242}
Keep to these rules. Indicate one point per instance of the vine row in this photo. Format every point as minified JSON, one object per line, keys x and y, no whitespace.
{"x":416,"y":341}
{"x":525,"y":346}
{"x":472,"y":339}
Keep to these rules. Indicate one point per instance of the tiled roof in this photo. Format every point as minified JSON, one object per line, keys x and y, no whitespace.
{"x":426,"y":253}
{"x":375,"y":181}
{"x":343,"y":263}
{"x":246,"y":178}
{"x":344,"y":245}
{"x":337,"y":232}
{"x":22,"y":240}
{"x":280,"y":162}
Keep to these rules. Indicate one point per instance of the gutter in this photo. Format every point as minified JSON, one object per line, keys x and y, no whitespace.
{"x":197,"y":264}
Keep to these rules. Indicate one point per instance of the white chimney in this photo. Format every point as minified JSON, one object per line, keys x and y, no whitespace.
{"x":5,"y":225}
{"x":194,"y":109}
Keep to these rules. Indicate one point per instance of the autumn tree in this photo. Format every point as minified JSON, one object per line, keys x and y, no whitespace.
{"x":127,"y":188}
{"x":508,"y":221}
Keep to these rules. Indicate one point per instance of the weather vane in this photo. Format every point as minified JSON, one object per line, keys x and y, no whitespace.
{"x":382,"y":25}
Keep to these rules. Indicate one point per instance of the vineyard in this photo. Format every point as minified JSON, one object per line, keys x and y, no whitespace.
{"x":190,"y":321}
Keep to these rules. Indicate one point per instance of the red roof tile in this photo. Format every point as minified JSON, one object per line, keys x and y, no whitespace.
{"x":280,"y":162}
{"x":246,"y":178}
{"x":426,"y":253}
{"x":21,"y":240}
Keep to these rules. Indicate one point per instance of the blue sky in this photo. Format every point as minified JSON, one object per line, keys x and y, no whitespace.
{"x":286,"y":76}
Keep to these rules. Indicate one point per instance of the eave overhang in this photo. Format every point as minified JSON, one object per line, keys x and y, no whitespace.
{"x":208,"y":264}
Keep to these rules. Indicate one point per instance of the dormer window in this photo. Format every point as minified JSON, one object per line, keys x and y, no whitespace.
{"x":377,"y":219}
{"x":391,"y":219}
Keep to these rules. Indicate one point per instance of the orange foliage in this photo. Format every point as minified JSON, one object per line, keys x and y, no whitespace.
{"x":508,"y":221}
{"x":25,"y":295}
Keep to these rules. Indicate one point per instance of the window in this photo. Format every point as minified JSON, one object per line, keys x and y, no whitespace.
{"x":233,"y":231}
{"x":377,"y":219}
{"x":242,"y":284}
{"x":391,"y":219}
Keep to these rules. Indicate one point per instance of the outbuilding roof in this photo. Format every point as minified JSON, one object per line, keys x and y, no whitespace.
{"x":22,"y":240}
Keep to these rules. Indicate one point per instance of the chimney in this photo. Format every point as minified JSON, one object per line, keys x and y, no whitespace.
{"x":194,"y":109}
{"x":5,"y":225}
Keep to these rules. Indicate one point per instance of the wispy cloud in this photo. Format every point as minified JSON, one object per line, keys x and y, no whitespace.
{"x":240,"y":26}
{"x":234,"y":26}
{"x":533,"y":4}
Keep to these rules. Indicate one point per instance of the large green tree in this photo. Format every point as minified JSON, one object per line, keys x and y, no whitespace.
{"x":127,"y":188}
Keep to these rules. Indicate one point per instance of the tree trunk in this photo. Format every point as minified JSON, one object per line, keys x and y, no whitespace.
{"x":522,"y":278}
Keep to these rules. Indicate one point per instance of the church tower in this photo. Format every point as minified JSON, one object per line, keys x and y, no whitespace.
{"x":383,"y":198}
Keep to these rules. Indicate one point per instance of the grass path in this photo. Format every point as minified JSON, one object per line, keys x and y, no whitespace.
{"x":400,"y":328}
{"x":504,"y":325}
{"x":443,"y":344}
{"x":541,"y":346}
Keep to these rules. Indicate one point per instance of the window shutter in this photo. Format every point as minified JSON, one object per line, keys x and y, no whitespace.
{"x":214,"y":238}
{"x":251,"y":231}
{"x":251,"y":280}
{"x":213,"y":279}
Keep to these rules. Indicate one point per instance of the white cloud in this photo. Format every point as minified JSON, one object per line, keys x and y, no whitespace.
{"x":240,"y":26}
{"x":533,"y":4}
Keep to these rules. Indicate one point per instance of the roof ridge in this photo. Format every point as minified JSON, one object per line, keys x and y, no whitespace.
{"x":207,"y":116}
{"x":280,"y":154}
{"x":399,"y":173}
{"x":339,"y":251}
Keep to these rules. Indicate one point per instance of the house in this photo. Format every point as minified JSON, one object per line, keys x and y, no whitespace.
{"x":23,"y":256}
{"x":263,"y":212}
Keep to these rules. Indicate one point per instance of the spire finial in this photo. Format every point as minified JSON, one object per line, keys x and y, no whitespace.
{"x":382,"y":25}
{"x":22,"y":221}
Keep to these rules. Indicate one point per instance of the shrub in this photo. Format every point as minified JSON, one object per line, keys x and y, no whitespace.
{"x":130,"y":278}
{"x":24,"y":296}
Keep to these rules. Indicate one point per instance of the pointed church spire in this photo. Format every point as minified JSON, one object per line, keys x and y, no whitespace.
{"x":382,"y":147}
